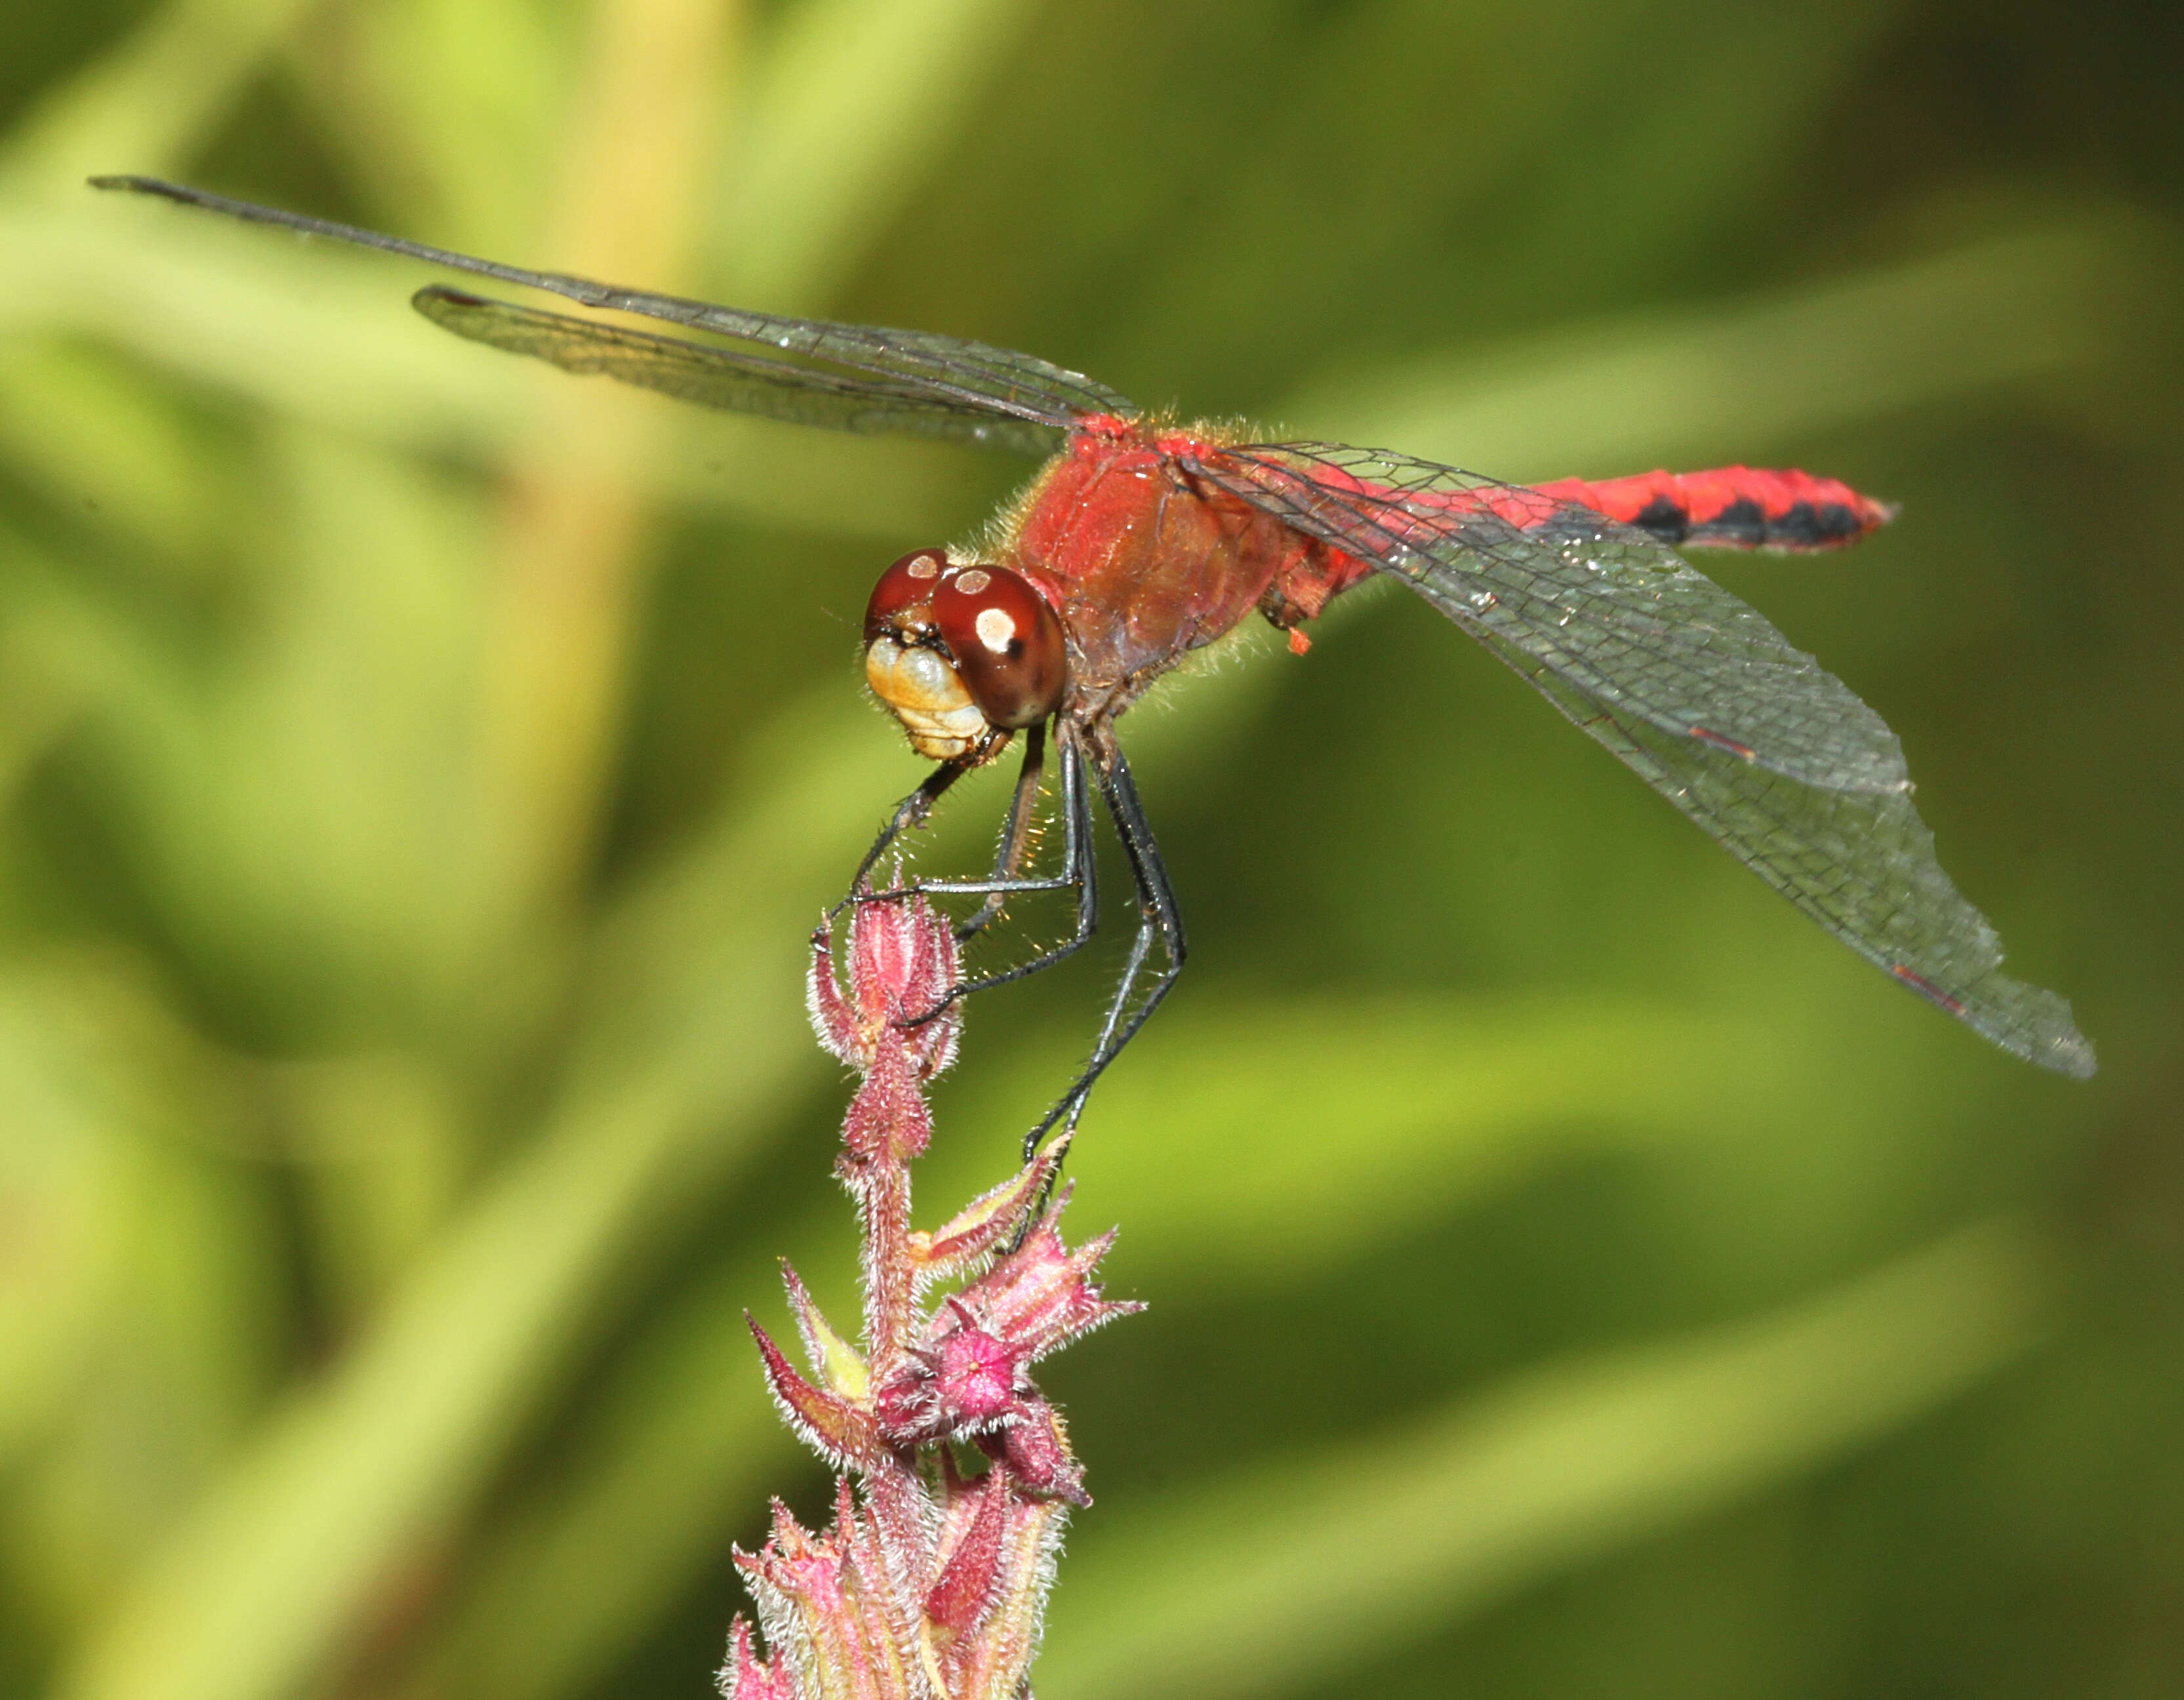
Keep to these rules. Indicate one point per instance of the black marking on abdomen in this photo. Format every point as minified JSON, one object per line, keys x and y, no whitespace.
{"x":1666,"y":518}
{"x":1741,"y":524}
{"x":1803,"y":525}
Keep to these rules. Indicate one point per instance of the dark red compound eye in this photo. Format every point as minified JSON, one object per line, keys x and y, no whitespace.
{"x":904,"y":594}
{"x":1006,"y":641}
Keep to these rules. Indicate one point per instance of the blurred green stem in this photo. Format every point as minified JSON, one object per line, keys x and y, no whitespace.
{"x":575,"y":525}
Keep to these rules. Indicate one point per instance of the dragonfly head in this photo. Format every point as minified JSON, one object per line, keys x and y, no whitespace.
{"x":962,"y":655}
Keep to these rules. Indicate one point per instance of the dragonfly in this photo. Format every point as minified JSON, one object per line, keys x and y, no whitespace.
{"x":1142,"y":539}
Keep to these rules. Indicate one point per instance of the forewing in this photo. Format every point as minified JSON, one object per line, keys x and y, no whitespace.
{"x":1615,"y":613}
{"x":973,"y":375}
{"x":1679,"y":679}
{"x":729,"y":378}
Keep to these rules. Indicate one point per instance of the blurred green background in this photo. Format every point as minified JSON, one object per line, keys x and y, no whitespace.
{"x":1571,"y":1273}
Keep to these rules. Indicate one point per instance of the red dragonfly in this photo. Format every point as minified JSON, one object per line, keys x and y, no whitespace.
{"x":1141,"y":540}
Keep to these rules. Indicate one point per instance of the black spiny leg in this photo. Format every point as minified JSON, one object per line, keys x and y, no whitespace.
{"x":1159,"y":920}
{"x":911,"y":812}
{"x":1077,"y":870}
{"x":1016,"y":834}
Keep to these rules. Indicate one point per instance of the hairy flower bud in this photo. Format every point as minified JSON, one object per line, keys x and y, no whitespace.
{"x":929,"y":1584}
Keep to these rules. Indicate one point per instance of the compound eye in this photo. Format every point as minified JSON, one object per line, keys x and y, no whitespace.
{"x":1007,"y":643}
{"x":904,"y":596}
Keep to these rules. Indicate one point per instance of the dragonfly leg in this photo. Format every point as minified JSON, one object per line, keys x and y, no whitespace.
{"x":1016,"y":834}
{"x":1077,"y":871}
{"x":1016,"y":840}
{"x":911,"y":812}
{"x":1159,"y":921}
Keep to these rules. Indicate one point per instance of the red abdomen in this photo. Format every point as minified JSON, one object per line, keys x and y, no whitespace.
{"x":1732,"y":507}
{"x":1145,"y":564}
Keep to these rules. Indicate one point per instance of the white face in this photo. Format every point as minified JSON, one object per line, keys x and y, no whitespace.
{"x":925,"y":693}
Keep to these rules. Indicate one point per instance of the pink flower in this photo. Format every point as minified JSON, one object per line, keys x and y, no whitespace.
{"x":745,"y":1676}
{"x":929,"y":1584}
{"x":967,"y":1378}
{"x":901,"y":966}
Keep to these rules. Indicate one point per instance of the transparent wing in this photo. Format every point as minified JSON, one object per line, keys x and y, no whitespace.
{"x":1642,"y":655}
{"x":728,"y":377}
{"x":966,"y":376}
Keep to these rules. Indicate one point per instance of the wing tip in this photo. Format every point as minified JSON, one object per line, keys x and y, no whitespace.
{"x":439,"y":295}
{"x":2069,"y":1053}
{"x":2047,"y":1036}
{"x":2038,"y":1028}
{"x":135,"y":183}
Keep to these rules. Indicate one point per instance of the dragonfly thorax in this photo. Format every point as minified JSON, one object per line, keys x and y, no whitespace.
{"x":961,"y":654}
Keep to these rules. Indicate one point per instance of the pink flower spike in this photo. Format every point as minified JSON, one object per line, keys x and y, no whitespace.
{"x":959,"y":1382}
{"x":965,"y":1593}
{"x":745,"y":1676}
{"x":985,"y":1225}
{"x":900,"y":966}
{"x":1035,"y":1452}
{"x":1040,"y":1297}
{"x":831,"y":1018}
{"x":838,"y":1430}
{"x":815,"y":1600}
{"x":976,"y":1373}
{"x":927,"y":1586}
{"x":833,"y":1359}
{"x":887,"y":1120}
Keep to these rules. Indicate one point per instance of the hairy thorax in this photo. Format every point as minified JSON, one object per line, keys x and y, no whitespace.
{"x":1145,"y":563}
